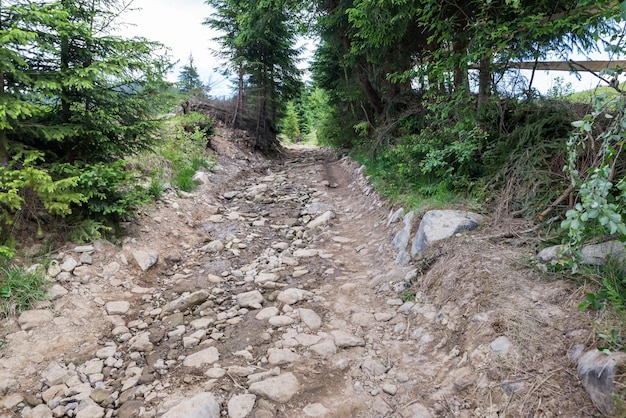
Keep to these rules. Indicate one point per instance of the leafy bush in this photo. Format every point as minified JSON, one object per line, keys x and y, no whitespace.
{"x":600,"y":184}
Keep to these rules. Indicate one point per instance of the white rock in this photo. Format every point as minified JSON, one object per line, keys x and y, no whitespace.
{"x":278,"y":389}
{"x":145,"y":258}
{"x":267,"y":313}
{"x":57,"y":291}
{"x":281,"y":356}
{"x":119,"y":307}
{"x":501,"y":345}
{"x":316,"y":410}
{"x":201,"y":405}
{"x":324,"y":349}
{"x":266,"y":277}
{"x":240,"y":406}
{"x":141,"y":342}
{"x":321,"y":220}
{"x":202,"y":358}
{"x":213,"y":247}
{"x":311,"y":319}
{"x":344,"y":339}
{"x":69,"y":264}
{"x":280,"y":321}
{"x":252,"y":299}
{"x":292,"y":295}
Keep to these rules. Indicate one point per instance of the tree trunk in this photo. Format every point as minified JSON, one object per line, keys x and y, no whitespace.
{"x":64,"y":66}
{"x":239,"y":105}
{"x":4,"y":158}
{"x":484,"y":80}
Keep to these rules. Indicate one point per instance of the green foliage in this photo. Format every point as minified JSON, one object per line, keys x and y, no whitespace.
{"x":185,"y":149}
{"x":20,"y":288}
{"x":291,"y":128}
{"x":612,"y":342}
{"x":258,"y":40}
{"x":25,"y":186}
{"x":408,"y":296}
{"x":612,"y":280}
{"x":601,"y":187}
{"x":110,"y":190}
{"x":188,"y":79}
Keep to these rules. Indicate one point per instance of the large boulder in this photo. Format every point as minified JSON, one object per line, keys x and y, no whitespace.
{"x":595,"y":255}
{"x":599,"y":373}
{"x":441,"y":224}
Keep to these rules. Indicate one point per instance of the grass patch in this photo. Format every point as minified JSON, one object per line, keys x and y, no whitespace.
{"x":20,"y":288}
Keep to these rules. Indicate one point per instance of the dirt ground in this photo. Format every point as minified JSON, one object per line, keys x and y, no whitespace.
{"x":487,"y":334}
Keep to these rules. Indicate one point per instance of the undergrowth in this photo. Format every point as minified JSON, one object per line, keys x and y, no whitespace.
{"x":20,"y":287}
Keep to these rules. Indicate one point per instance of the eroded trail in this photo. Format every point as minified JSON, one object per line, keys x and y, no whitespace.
{"x":276,"y":294}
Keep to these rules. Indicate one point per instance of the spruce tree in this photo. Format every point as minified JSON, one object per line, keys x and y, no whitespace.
{"x":188,"y":79}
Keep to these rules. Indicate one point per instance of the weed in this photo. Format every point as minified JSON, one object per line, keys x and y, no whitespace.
{"x":612,"y":341}
{"x":408,"y":296}
{"x":19,"y":288}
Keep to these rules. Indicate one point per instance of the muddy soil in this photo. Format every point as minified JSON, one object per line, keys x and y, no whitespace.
{"x":321,"y":311}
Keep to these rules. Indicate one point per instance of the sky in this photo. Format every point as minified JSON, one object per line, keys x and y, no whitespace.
{"x":178,"y":25}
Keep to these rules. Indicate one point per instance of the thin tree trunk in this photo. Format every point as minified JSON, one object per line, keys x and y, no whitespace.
{"x":64,"y":66}
{"x":4,"y":158}
{"x":484,"y":80}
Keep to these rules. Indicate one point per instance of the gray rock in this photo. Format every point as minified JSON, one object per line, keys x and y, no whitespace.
{"x":316,"y":410}
{"x":40,"y":411}
{"x":363,"y":319}
{"x":240,"y":406}
{"x":230,"y":195}
{"x":200,"y":178}
{"x":401,"y":240}
{"x":316,"y":208}
{"x":311,"y":319}
{"x":253,"y":299}
{"x":119,"y":307}
{"x":145,"y":258}
{"x":344,"y":339}
{"x":87,"y":408}
{"x":595,"y":255}
{"x":84,"y":249}
{"x":202,"y":405}
{"x":266,"y":277}
{"x":56,"y":292}
{"x":141,"y":343}
{"x":111,"y":269}
{"x":34,"y":319}
{"x":321,"y":220}
{"x":185,"y":302}
{"x":598,"y":371}
{"x":292,"y":295}
{"x":441,"y":224}
{"x":267,"y":313}
{"x":374,"y":367}
{"x":54,"y":269}
{"x":213,"y":247}
{"x":278,"y":389}
{"x":394,"y":217}
{"x":202,"y":358}
{"x":280,"y":321}
{"x":106,"y":352}
{"x":501,"y":345}
{"x":324,"y":349}
{"x":390,"y":389}
{"x":69,"y":264}
{"x":281,"y":356}
{"x":130,"y":409}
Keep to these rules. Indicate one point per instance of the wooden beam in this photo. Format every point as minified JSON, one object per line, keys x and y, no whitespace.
{"x":595,"y":66}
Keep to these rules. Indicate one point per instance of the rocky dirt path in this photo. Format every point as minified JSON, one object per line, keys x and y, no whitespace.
{"x":272,"y":291}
